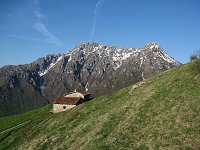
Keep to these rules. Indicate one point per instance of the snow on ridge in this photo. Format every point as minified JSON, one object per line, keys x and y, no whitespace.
{"x":161,"y":53}
{"x":166,"y":57}
{"x":97,"y":48}
{"x":157,"y":46}
{"x":116,"y":57}
{"x":117,"y":53}
{"x":136,"y":50}
{"x":154,"y":45}
{"x":121,"y":55}
{"x":126,"y":55}
{"x":70,"y":57}
{"x":50,"y":66}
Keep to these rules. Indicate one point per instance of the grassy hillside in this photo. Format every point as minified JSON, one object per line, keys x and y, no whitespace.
{"x":8,"y":122}
{"x":160,"y":113}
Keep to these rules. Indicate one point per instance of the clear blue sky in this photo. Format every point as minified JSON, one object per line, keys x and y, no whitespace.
{"x":30,"y":29}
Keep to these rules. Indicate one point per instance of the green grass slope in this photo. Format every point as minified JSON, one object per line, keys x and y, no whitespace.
{"x":160,"y":113}
{"x":8,"y":122}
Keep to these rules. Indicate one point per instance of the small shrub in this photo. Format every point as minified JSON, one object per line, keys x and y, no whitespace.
{"x":193,"y":57}
{"x":196,"y":56}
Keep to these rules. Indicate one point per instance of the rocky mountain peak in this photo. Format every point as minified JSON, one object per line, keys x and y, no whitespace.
{"x":100,"y":68}
{"x":152,"y":45}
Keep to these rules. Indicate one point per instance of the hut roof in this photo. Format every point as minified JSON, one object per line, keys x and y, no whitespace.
{"x":67,"y":100}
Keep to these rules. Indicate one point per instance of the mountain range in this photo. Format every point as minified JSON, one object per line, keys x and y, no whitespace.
{"x":88,"y":66}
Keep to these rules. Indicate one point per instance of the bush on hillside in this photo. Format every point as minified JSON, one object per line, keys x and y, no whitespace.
{"x":195,"y":55}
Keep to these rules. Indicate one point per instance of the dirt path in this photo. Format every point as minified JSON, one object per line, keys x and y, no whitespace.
{"x":15,"y":127}
{"x":135,"y":86}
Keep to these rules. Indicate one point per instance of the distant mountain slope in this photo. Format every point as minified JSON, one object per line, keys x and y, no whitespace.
{"x":158,"y":113}
{"x":100,"y":68}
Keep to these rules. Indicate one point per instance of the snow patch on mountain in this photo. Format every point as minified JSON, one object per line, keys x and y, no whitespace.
{"x":142,"y":59}
{"x":96,"y":48}
{"x":166,"y":57}
{"x":70,"y":58}
{"x":161,"y":53}
{"x":49,"y":67}
{"x":121,"y":55}
{"x":153,"y":45}
{"x":86,"y":87}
